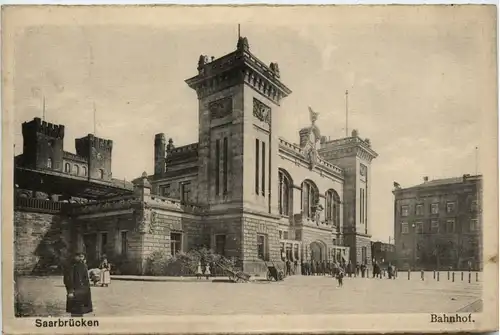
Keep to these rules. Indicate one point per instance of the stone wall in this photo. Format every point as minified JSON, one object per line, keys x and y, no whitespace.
{"x":253,"y":226}
{"x":41,"y":241}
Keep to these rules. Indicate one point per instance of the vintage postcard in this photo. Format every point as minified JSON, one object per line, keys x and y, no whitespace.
{"x":173,"y":169}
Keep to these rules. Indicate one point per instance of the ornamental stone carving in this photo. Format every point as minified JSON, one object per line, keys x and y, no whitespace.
{"x":221,"y":108}
{"x":261,"y":111}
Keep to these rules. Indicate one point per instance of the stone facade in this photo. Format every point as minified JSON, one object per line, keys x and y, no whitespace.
{"x":437,"y":224}
{"x":241,"y":190}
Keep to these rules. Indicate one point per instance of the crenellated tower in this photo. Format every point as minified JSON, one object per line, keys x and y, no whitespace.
{"x":98,"y":152}
{"x":43,"y":145}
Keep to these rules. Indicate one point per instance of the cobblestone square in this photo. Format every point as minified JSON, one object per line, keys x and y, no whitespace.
{"x":43,"y":296}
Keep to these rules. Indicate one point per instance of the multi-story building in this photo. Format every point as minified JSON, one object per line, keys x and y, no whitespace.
{"x":437,"y":224}
{"x":240,"y":190}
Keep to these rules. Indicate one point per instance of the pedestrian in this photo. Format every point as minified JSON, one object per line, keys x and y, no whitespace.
{"x":313,"y":268}
{"x":287,"y":267}
{"x":199,"y":272}
{"x":207,"y":271}
{"x":295,"y":266}
{"x":340,"y":277}
{"x":77,"y":283}
{"x":363,"y":270}
{"x":358,"y":269}
{"x":105,"y":274}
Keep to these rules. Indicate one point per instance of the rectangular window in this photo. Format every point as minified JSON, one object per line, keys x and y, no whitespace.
{"x":296,"y":251}
{"x":175,"y":243}
{"x":285,"y":235}
{"x":280,"y":234}
{"x":404,"y":228}
{"x":361,"y":206}
{"x":261,"y":247}
{"x":474,"y":225}
{"x":104,"y":243}
{"x":420,"y":227}
{"x":434,"y":226}
{"x":124,"y":240}
{"x":165,"y":190}
{"x":226,"y":162}
{"x":220,"y":245}
{"x":419,"y":209}
{"x":186,"y":192}
{"x":405,"y":210}
{"x":450,"y":207}
{"x":264,"y":169}
{"x":364,"y":255}
{"x":473,"y":206}
{"x":450,"y":226}
{"x":257,"y":155}
{"x":435,"y":208}
{"x":217,"y":167}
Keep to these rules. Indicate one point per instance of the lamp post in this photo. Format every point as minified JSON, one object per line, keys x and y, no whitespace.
{"x":414,"y":244}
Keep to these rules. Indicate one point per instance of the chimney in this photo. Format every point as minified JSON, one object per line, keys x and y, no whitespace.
{"x":426,"y":179}
{"x":304,"y":134}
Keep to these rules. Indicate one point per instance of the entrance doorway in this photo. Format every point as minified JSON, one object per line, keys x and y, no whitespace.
{"x":318,"y":251}
{"x":90,"y":248}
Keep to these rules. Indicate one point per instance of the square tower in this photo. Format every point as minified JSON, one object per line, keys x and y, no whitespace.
{"x":238,"y":97}
{"x":354,"y":155}
{"x":97,"y":151}
{"x":43,"y":145}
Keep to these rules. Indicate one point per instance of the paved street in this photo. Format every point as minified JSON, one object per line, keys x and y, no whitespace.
{"x":296,"y":295}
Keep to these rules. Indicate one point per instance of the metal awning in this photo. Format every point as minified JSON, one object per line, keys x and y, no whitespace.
{"x":53,"y":182}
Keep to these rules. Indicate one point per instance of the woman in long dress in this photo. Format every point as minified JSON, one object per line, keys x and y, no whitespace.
{"x":207,"y":271}
{"x":105,"y":268}
{"x":77,"y":283}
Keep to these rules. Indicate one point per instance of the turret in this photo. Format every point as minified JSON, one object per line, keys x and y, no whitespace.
{"x":160,"y":148}
{"x":98,"y":152}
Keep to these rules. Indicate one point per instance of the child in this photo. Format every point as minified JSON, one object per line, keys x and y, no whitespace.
{"x":199,"y":273}
{"x":340,"y":276}
{"x":207,"y":271}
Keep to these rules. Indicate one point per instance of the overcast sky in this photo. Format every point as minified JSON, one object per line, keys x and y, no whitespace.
{"x":418,"y":83}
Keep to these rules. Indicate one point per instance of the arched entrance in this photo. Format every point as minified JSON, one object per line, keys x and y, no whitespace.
{"x":318,"y":251}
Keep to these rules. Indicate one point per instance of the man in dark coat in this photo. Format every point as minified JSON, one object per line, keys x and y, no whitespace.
{"x":76,"y":280}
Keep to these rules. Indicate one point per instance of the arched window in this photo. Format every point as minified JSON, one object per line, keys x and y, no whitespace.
{"x":84,"y":170}
{"x":101,"y":173}
{"x":76,"y":169}
{"x":67,"y":168}
{"x":332,"y":208}
{"x":310,"y":198}
{"x":284,"y":193}
{"x":49,"y":163}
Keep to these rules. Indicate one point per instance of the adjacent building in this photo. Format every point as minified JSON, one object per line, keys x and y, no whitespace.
{"x":438,"y":224}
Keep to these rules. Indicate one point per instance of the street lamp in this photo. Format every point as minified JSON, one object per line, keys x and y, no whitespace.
{"x":414,"y":245}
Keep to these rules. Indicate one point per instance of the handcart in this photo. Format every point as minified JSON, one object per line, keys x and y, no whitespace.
{"x":234,"y":275}
{"x":274,"y":272}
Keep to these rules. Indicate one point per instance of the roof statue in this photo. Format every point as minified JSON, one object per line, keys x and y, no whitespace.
{"x":313,"y":116}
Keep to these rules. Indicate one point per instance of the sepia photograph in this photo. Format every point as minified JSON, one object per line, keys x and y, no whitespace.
{"x":331,"y":167}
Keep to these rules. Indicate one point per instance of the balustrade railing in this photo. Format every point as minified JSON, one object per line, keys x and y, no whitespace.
{"x":38,"y":205}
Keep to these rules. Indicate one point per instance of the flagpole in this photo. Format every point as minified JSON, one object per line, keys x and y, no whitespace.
{"x":346,"y":113}
{"x":95,"y":133}
{"x":43,"y":109}
{"x":476,"y":154}
{"x":239,"y":31}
